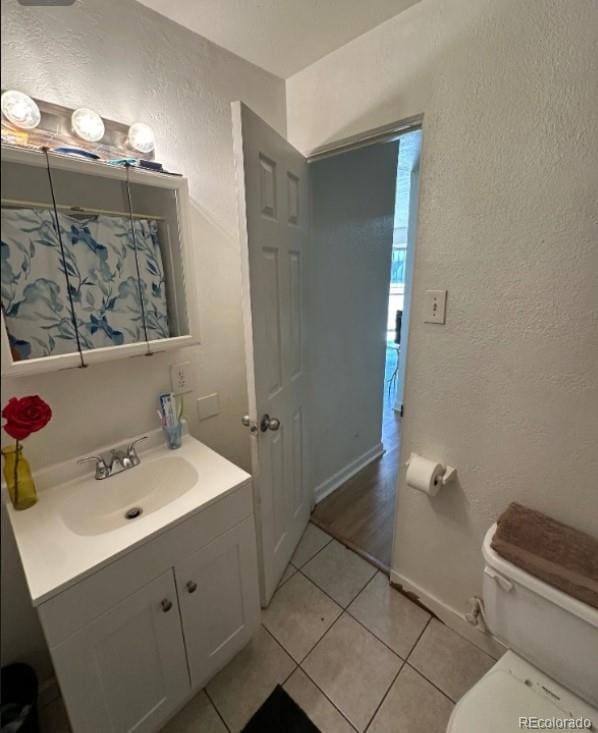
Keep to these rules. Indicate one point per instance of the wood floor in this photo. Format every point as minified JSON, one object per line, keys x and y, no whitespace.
{"x":361,"y":512}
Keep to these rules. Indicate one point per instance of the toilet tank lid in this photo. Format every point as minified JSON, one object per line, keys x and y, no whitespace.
{"x":523,"y":578}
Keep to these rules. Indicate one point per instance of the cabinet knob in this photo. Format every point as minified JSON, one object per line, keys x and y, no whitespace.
{"x":191,"y":587}
{"x":166,"y":605}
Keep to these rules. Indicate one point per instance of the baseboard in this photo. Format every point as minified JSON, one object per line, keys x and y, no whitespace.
{"x":339,"y":478}
{"x":450,"y":616}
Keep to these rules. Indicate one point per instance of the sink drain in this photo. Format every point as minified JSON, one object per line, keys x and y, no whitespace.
{"x":133,"y":512}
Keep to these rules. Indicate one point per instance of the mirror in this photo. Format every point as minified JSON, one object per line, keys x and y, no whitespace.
{"x":101,"y":270}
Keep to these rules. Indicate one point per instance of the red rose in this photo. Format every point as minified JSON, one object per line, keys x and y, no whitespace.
{"x":25,"y":416}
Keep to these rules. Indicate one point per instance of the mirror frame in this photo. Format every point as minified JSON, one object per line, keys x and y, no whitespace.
{"x":36,"y":158}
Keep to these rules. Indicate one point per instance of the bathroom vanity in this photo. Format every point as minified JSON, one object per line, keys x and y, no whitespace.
{"x":140,"y":613}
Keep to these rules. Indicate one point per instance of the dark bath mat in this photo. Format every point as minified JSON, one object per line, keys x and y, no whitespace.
{"x":280,"y":713}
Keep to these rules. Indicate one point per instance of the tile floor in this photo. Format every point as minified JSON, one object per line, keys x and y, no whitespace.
{"x":354,"y":653}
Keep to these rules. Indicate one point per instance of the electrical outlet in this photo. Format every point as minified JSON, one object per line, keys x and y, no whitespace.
{"x":435,"y":306}
{"x":181,"y":377}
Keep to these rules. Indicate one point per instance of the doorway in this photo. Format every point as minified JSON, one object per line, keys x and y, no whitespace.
{"x":316,"y":253}
{"x":360,"y":512}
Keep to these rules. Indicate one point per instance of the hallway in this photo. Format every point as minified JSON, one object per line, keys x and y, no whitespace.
{"x":360,"y":514}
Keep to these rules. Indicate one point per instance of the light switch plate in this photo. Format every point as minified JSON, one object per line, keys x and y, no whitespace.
{"x":181,"y":377}
{"x":208,"y":406}
{"x":435,"y":306}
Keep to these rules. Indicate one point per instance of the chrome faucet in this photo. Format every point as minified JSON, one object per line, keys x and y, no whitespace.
{"x":119,"y":461}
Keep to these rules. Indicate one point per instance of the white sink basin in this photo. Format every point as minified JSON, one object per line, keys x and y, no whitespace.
{"x":78,"y":524}
{"x":96,"y":507}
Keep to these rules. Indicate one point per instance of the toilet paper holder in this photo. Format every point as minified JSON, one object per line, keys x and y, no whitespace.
{"x":427,"y":475}
{"x":449,"y":474}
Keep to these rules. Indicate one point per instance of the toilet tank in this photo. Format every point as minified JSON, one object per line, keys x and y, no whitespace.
{"x":552,"y":630}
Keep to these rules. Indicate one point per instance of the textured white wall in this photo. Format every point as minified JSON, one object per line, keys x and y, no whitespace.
{"x":507,"y":390}
{"x":352,"y":222}
{"x":129,"y":64}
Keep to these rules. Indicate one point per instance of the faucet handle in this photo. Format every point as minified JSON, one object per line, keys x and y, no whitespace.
{"x":102,"y":469}
{"x":132,"y":451}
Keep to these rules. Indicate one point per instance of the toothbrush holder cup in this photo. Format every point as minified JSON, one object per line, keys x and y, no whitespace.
{"x":174,"y":435}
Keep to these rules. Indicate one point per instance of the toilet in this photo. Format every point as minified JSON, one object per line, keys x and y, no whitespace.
{"x":550,"y":671}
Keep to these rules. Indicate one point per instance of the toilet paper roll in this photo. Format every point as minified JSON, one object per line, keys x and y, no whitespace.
{"x":424,"y":475}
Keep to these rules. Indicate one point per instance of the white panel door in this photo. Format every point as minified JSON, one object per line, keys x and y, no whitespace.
{"x":127,"y":670}
{"x":219,"y":600}
{"x":272,"y":188}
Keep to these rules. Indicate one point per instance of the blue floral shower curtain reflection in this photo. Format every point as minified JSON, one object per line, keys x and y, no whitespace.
{"x":99,"y":257}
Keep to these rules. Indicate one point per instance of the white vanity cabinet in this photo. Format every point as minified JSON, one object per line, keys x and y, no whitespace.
{"x":132,"y":642}
{"x":127,"y":669}
{"x":215,"y":585}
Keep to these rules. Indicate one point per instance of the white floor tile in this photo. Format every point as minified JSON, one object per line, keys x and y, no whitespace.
{"x":243,"y":685}
{"x":288,"y":573}
{"x":353,"y":669}
{"x":313,"y":541}
{"x":412,"y":705}
{"x":299,"y":614}
{"x":316,"y":706}
{"x":448,"y":660}
{"x":198,"y":716}
{"x":339,"y":572}
{"x":389,"y":615}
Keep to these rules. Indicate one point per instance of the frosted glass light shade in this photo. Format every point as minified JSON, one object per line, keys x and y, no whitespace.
{"x":141,"y":137}
{"x":87,"y":124}
{"x":20,"y":110}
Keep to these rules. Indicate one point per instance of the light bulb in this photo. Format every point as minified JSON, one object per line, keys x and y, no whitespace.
{"x":87,"y":124}
{"x":141,"y":137}
{"x":20,"y":110}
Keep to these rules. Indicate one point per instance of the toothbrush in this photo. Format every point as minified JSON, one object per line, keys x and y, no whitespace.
{"x":171,"y":417}
{"x":169,"y":409}
{"x":164,"y":409}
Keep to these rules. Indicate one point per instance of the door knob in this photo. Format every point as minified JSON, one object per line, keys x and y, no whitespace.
{"x":269,"y":423}
{"x":248,"y":422}
{"x":191,"y":586}
{"x":166,"y":605}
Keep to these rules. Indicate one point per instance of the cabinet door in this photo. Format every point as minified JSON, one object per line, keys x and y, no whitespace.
{"x":126,"y":671}
{"x":219,"y":598}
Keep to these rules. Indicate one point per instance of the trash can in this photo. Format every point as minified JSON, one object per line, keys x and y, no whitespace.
{"x":18,"y":699}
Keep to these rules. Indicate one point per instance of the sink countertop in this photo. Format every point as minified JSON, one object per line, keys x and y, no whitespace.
{"x":54,"y":556}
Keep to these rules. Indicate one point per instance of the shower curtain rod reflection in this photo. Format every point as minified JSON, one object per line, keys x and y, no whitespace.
{"x":21,"y":204}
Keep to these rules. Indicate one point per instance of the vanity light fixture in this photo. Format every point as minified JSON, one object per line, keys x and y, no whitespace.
{"x":141,"y":137}
{"x":20,"y":110}
{"x":87,"y":124}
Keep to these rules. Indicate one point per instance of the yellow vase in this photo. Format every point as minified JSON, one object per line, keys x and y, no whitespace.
{"x":19,"y":481}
